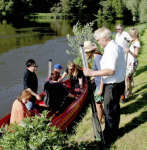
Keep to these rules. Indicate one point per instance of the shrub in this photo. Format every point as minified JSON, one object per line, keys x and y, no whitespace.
{"x":33,"y":134}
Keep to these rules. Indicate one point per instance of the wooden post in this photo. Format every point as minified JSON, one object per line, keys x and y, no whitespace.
{"x":49,"y":67}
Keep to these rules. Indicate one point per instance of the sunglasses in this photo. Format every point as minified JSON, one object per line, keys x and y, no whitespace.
{"x":35,"y":66}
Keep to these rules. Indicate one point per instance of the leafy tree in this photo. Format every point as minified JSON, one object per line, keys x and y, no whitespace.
{"x":66,"y":6}
{"x":106,"y":13}
{"x":143,"y":11}
{"x":6,"y":7}
{"x":118,"y":6}
{"x":133,"y":5}
{"x":56,"y":8}
{"x":81,"y":34}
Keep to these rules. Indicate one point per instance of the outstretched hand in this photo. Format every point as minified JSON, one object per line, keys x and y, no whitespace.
{"x":87,"y":72}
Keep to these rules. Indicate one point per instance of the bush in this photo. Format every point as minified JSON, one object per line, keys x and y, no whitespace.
{"x":81,"y":34}
{"x":33,"y":134}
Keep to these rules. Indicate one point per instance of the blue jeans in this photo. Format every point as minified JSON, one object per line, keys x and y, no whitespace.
{"x":29,"y":105}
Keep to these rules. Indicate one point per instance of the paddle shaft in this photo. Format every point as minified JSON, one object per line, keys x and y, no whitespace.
{"x":96,"y":123}
{"x":49,"y":67}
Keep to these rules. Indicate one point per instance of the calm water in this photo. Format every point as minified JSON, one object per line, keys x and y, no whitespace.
{"x":19,"y":43}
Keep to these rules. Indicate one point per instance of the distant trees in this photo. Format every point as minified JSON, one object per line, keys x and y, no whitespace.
{"x":83,"y":10}
{"x":5,"y":7}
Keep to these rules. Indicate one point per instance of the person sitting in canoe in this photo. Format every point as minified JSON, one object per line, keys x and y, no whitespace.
{"x":19,"y":110}
{"x":55,"y":75}
{"x":56,"y":94}
{"x":75,"y":74}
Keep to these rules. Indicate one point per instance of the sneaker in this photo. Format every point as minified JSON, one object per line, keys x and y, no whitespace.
{"x":122,"y":99}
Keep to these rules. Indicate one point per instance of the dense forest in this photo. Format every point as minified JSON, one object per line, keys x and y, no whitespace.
{"x":131,"y":11}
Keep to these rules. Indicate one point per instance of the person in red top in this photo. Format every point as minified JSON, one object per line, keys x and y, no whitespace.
{"x":19,"y":110}
{"x":55,"y":75}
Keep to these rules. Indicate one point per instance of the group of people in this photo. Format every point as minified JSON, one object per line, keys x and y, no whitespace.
{"x":55,"y":91}
{"x":111,"y":71}
{"x":131,"y":45}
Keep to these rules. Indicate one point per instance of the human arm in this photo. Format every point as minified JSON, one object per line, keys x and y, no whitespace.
{"x":62,"y":77}
{"x":34,"y":94}
{"x":136,"y":52}
{"x":70,"y":95}
{"x":81,"y":82}
{"x":101,"y":88}
{"x":104,"y":72}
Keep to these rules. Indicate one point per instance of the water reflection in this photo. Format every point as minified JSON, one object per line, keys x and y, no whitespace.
{"x":15,"y":36}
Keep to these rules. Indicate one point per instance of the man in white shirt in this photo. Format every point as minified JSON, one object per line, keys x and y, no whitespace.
{"x":113,"y":75}
{"x":122,"y":37}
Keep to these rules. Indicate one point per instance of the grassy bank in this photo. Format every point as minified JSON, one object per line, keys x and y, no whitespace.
{"x":48,"y":17}
{"x":133,"y":124}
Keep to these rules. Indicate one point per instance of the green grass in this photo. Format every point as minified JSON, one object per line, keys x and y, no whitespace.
{"x":133,"y":124}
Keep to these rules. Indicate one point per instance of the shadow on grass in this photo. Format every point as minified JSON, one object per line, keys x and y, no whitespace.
{"x":134,"y":107}
{"x":137,"y":121}
{"x":141,"y":70}
{"x":87,"y":146}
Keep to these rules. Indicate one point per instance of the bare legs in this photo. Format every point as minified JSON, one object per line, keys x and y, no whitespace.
{"x":129,"y":86}
{"x":100,"y":111}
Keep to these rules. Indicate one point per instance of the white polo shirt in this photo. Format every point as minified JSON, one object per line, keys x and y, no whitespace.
{"x":120,"y":39}
{"x":113,"y":58}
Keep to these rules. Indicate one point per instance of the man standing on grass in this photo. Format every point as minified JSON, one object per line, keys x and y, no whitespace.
{"x":122,"y":39}
{"x":113,"y":75}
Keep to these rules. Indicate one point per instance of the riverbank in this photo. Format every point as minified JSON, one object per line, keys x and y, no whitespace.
{"x":48,"y":17}
{"x":133,"y":125}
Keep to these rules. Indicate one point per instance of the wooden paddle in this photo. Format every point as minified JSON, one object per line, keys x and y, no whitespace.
{"x":98,"y":133}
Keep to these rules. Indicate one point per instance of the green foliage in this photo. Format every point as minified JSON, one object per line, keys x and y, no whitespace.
{"x":118,"y":7}
{"x":81,"y":34}
{"x":66,"y":6}
{"x":6,"y":7}
{"x":33,"y":134}
{"x":37,"y":134}
{"x":143,"y":11}
{"x":56,"y":8}
{"x":109,"y":11}
{"x":133,"y":5}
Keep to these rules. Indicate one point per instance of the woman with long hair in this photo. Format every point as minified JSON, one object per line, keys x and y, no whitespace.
{"x":75,"y":74}
{"x":132,"y":62}
{"x":19,"y":110}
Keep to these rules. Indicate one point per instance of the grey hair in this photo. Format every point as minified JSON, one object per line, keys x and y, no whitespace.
{"x":119,"y":25}
{"x":103,"y":33}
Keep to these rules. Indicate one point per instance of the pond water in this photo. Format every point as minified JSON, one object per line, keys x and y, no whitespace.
{"x":19,"y":43}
